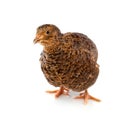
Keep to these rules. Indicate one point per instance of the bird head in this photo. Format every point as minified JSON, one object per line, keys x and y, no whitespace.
{"x":46,"y":34}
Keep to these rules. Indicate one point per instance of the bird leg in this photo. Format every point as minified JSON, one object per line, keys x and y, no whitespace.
{"x":59,"y":92}
{"x":86,"y":97}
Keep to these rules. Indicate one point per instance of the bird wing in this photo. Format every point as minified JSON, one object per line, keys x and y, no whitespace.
{"x":80,"y":41}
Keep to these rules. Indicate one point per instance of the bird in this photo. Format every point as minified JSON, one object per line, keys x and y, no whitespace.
{"x":68,"y":61}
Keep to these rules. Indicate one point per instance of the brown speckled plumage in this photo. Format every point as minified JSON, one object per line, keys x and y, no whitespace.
{"x":68,"y":60}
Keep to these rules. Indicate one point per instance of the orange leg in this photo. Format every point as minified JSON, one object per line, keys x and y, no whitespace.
{"x":59,"y":92}
{"x":86,"y":97}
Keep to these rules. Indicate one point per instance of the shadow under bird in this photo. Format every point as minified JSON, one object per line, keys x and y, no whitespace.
{"x":68,"y":61}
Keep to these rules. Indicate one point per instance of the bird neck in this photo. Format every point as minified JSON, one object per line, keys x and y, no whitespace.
{"x":53,"y":48}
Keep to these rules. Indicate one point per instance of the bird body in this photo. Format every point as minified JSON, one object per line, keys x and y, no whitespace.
{"x":68,"y":60}
{"x":71,"y":63}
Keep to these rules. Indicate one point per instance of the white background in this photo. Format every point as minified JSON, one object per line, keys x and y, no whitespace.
{"x":22,"y":84}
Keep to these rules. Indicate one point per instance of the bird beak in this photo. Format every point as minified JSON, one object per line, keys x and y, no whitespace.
{"x":36,"y":39}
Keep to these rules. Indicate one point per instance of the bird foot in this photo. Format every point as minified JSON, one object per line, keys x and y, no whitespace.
{"x":59,"y":92}
{"x":86,"y":97}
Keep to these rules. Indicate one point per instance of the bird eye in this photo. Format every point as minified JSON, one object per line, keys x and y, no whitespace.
{"x":47,"y":32}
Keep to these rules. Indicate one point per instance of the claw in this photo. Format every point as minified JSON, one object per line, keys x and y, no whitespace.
{"x":86,"y":97}
{"x":59,"y":92}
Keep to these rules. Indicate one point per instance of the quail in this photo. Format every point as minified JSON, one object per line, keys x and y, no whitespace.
{"x":68,"y":61}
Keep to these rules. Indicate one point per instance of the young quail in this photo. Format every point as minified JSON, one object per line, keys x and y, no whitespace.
{"x":68,"y":61}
